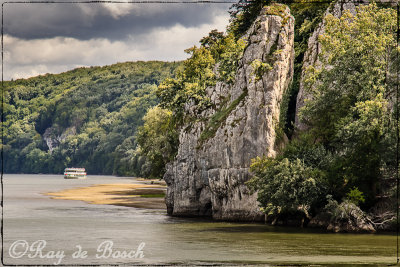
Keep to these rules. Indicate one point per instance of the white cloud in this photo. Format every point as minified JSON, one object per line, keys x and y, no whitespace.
{"x":169,"y":40}
{"x":26,"y":58}
{"x":118,"y":10}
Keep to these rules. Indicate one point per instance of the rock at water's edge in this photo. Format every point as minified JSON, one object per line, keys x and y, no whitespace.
{"x":208,"y":178}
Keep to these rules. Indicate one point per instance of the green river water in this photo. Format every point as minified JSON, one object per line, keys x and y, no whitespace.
{"x":66,"y":225}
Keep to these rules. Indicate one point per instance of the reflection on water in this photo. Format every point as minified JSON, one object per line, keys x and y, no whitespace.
{"x":66,"y":224}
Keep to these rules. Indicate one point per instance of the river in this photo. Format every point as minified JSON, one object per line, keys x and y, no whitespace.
{"x":69,"y":226}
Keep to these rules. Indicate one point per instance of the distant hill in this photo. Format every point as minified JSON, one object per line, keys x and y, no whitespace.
{"x":86,"y":117}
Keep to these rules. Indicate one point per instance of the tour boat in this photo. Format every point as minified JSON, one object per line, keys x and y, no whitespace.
{"x":75,"y":173}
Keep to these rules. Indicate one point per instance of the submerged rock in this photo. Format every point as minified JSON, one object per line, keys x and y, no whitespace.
{"x":211,"y":168}
{"x":350,"y":218}
{"x":343,"y":217}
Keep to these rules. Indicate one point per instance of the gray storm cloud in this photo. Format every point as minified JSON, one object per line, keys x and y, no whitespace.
{"x":111,"y":21}
{"x":52,"y":38}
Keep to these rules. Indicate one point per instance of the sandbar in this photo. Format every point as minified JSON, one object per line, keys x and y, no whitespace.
{"x":148,"y":196}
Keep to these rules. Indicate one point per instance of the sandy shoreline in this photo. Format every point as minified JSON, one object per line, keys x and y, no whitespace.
{"x":149,"y":196}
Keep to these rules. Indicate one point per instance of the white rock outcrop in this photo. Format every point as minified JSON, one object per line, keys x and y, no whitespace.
{"x":208,"y":175}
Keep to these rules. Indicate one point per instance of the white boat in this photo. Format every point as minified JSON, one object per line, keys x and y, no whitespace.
{"x":74,"y":173}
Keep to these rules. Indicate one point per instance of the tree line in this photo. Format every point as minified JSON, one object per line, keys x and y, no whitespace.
{"x":85,"y":117}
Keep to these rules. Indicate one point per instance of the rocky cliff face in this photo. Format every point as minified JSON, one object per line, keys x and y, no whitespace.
{"x":209,"y":173}
{"x":311,"y":57}
{"x":53,"y":136}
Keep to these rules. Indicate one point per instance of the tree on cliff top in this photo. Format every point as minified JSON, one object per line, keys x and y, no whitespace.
{"x":243,"y":13}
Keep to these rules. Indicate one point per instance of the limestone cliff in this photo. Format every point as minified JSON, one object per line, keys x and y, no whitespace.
{"x":54,"y":136}
{"x":209,"y":173}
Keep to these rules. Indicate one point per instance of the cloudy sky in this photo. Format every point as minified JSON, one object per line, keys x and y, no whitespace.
{"x":44,"y":38}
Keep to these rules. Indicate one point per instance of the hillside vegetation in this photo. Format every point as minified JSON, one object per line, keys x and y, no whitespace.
{"x":85,"y":117}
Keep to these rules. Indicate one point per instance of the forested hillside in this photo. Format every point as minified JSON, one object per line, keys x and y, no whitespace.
{"x":86,"y":117}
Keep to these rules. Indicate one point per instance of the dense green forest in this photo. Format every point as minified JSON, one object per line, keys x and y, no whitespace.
{"x":85,"y":117}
